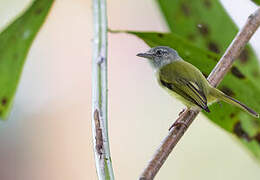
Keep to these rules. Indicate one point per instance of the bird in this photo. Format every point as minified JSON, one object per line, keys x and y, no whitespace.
{"x":186,"y":82}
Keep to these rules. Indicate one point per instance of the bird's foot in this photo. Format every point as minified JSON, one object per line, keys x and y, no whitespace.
{"x":182,"y":111}
{"x":178,"y":124}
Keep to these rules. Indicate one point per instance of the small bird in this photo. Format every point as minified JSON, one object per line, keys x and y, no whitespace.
{"x":184,"y":81}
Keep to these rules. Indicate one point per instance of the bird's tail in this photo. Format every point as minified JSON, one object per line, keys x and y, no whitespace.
{"x":221,"y":96}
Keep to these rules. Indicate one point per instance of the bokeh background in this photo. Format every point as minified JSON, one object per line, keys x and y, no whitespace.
{"x":48,"y":134}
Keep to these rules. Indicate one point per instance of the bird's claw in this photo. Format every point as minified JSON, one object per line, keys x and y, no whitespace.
{"x":178,"y":124}
{"x":182,"y":111}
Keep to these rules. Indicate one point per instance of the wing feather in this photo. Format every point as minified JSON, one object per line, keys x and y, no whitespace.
{"x":186,"y":86}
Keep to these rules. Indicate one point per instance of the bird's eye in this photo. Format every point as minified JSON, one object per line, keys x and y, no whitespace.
{"x":159,"y":52}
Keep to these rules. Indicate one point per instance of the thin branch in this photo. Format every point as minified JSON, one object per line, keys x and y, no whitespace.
{"x":214,"y":79}
{"x":99,"y":93}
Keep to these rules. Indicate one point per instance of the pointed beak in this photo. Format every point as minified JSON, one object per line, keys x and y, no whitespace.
{"x":145,"y":55}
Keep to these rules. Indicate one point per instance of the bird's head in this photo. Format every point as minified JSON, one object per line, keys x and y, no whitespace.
{"x":160,"y":56}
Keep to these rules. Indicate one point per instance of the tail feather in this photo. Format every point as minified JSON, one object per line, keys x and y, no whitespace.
{"x":220,"y":95}
{"x":243,"y":106}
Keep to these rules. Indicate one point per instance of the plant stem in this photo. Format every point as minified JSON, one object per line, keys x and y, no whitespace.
{"x":214,"y":79}
{"x":99,"y":93}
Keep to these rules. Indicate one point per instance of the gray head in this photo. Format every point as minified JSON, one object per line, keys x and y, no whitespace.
{"x":160,"y":56}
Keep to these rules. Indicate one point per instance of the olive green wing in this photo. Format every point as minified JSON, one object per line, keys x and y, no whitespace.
{"x":178,"y":78}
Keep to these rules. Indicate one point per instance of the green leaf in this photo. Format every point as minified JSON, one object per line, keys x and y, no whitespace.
{"x":236,"y":84}
{"x":256,"y":1}
{"x":15,"y":41}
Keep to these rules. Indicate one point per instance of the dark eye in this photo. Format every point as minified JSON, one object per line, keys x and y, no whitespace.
{"x":159,"y":52}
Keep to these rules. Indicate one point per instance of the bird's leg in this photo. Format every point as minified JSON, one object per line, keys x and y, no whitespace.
{"x":181,"y":111}
{"x":178,"y":122}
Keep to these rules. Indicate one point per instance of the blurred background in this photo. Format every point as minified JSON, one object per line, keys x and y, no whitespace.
{"x":48,"y":134}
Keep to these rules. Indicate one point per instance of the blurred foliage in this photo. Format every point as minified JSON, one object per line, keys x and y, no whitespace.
{"x":256,"y":1}
{"x":201,"y":30}
{"x":15,"y":41}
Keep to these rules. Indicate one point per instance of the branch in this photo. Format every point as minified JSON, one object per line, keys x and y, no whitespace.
{"x":214,"y":79}
{"x":99,"y":93}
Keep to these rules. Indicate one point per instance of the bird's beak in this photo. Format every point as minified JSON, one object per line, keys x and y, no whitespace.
{"x":145,"y":55}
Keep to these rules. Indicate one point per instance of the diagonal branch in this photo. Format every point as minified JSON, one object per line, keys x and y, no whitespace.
{"x":214,"y":79}
{"x":99,"y":92}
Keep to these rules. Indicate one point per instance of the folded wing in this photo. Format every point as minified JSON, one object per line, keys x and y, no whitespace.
{"x":175,"y":79}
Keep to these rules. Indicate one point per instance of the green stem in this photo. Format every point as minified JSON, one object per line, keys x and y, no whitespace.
{"x":99,"y":93}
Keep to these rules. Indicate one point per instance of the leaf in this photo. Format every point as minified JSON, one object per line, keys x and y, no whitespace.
{"x":241,"y":87}
{"x":15,"y":41}
{"x":256,"y":1}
